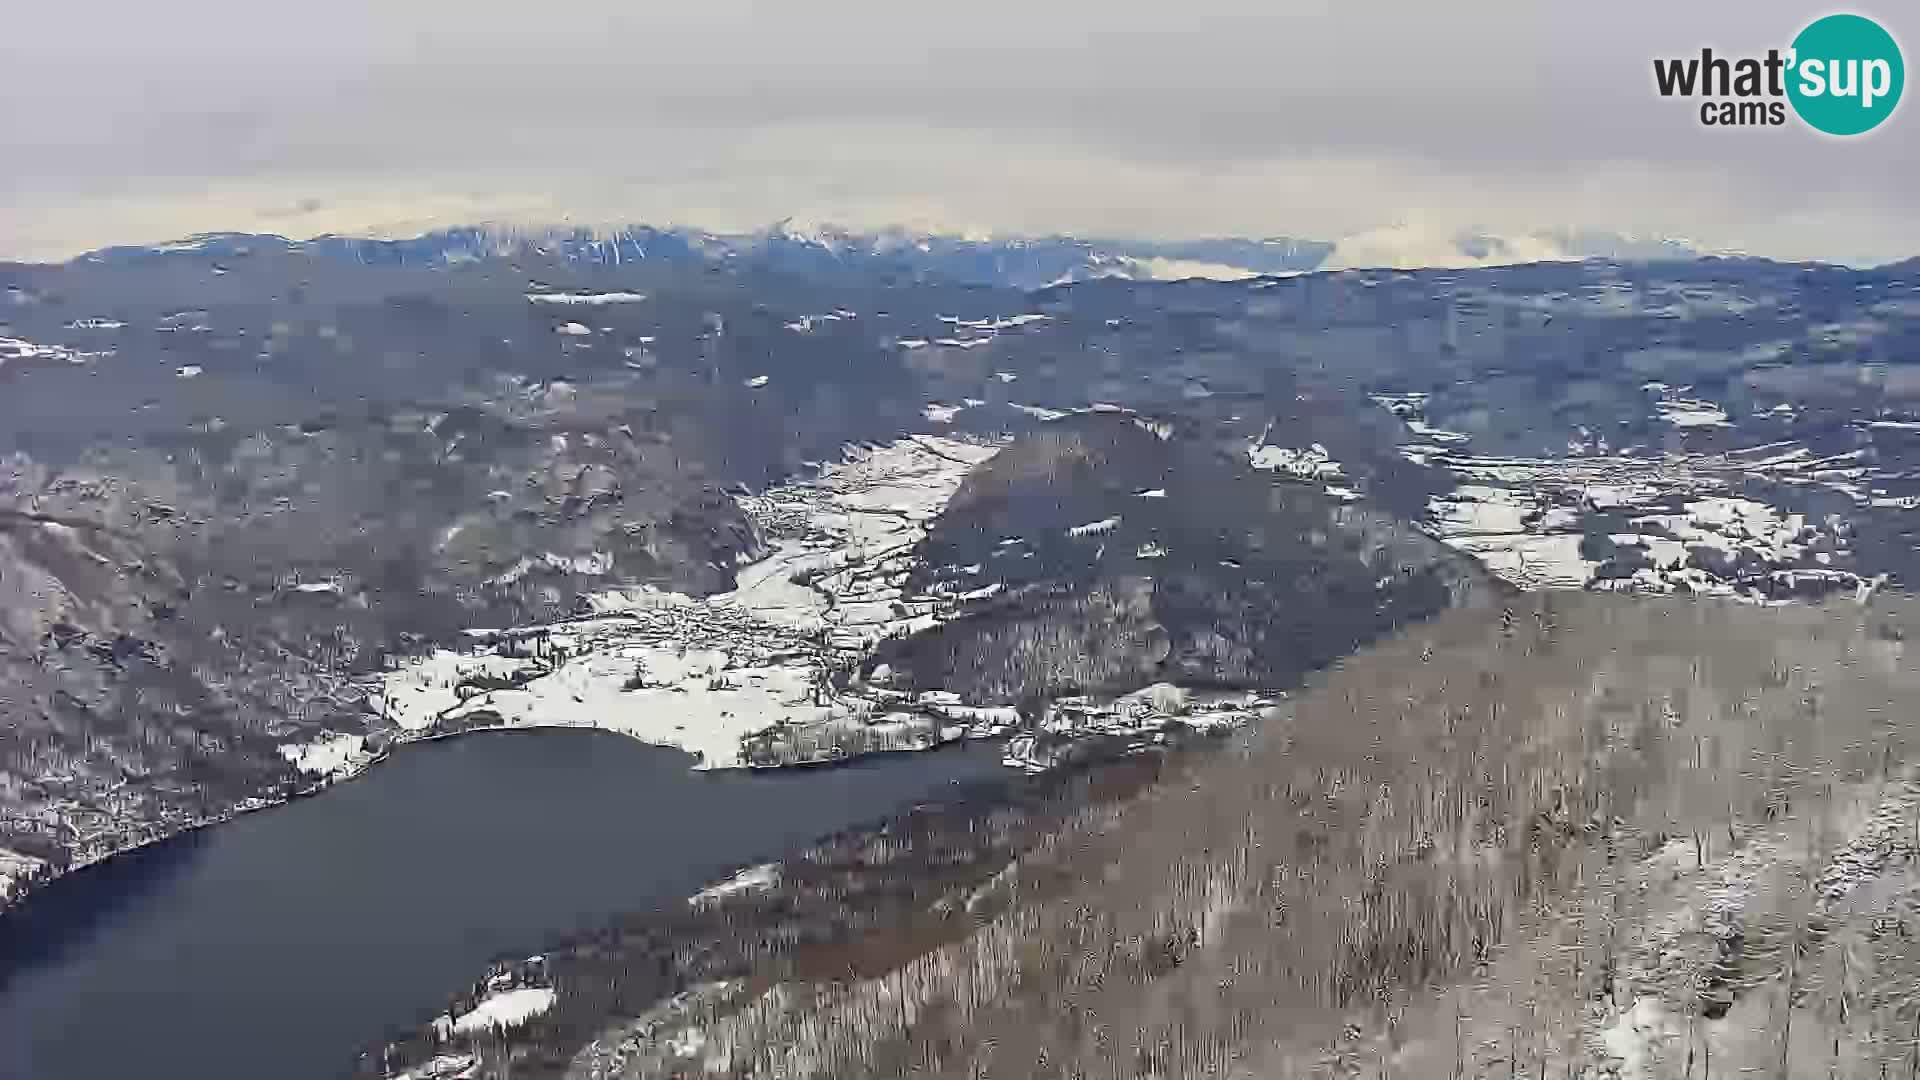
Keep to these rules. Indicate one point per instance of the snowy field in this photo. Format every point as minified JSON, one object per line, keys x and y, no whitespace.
{"x":499,"y":1011}
{"x":1648,"y":522}
{"x":15,"y":869}
{"x":1652,"y":525}
{"x":745,"y":678}
{"x":703,"y":674}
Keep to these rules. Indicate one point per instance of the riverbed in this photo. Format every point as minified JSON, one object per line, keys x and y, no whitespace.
{"x":283,"y":942}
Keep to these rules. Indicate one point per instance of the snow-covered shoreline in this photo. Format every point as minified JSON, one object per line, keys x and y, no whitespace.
{"x":704,"y":674}
{"x":853,"y":522}
{"x":765,"y":675}
{"x":738,"y":679}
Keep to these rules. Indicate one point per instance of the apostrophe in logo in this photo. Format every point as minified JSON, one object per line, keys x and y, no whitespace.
{"x":1842,"y":75}
{"x":1846,"y":74}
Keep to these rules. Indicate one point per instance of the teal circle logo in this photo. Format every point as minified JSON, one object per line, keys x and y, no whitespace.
{"x":1846,"y":75}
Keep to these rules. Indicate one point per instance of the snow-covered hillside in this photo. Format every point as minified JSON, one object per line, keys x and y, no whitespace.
{"x":747,"y":677}
{"x":1713,"y":524}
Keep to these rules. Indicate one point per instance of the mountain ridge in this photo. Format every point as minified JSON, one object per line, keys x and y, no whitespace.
{"x":1020,"y":261}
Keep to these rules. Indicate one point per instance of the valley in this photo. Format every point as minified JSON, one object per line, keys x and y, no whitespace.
{"x":272,"y":511}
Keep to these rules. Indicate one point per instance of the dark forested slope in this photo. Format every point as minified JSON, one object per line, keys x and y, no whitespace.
{"x":1120,"y":552}
{"x":1588,"y":835}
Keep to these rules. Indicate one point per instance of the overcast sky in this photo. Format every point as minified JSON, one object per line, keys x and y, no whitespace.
{"x":130,"y":120}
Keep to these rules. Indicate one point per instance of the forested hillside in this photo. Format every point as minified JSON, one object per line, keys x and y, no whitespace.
{"x":1582,"y":837}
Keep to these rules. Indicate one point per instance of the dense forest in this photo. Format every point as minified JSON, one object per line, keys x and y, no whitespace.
{"x":1577,"y":836}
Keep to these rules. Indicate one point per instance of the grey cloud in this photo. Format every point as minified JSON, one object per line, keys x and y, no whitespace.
{"x":1264,"y":117}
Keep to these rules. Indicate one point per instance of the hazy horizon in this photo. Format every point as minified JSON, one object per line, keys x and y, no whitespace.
{"x":134,"y":124}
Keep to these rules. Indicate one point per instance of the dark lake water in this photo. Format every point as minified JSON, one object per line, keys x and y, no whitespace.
{"x":275,"y":947}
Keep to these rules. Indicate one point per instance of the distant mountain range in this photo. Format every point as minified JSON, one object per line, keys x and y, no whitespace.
{"x":1009,"y":261}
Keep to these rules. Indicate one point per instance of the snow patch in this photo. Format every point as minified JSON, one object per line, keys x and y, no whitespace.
{"x":1313,"y":463}
{"x":500,"y":1011}
{"x":332,"y":756}
{"x":1039,"y":412}
{"x":444,"y":1067}
{"x":1635,"y":1038}
{"x":1438,"y":435}
{"x":1693,"y":414}
{"x":1159,"y":268}
{"x":590,"y":299}
{"x":15,"y":871}
{"x":753,"y":879}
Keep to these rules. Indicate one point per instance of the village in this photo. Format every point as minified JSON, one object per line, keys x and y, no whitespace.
{"x":773,"y":673}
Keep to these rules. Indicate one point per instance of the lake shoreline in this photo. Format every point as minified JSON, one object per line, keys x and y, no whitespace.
{"x":265,"y":934}
{"x":817,"y":904}
{"x":400,"y":739}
